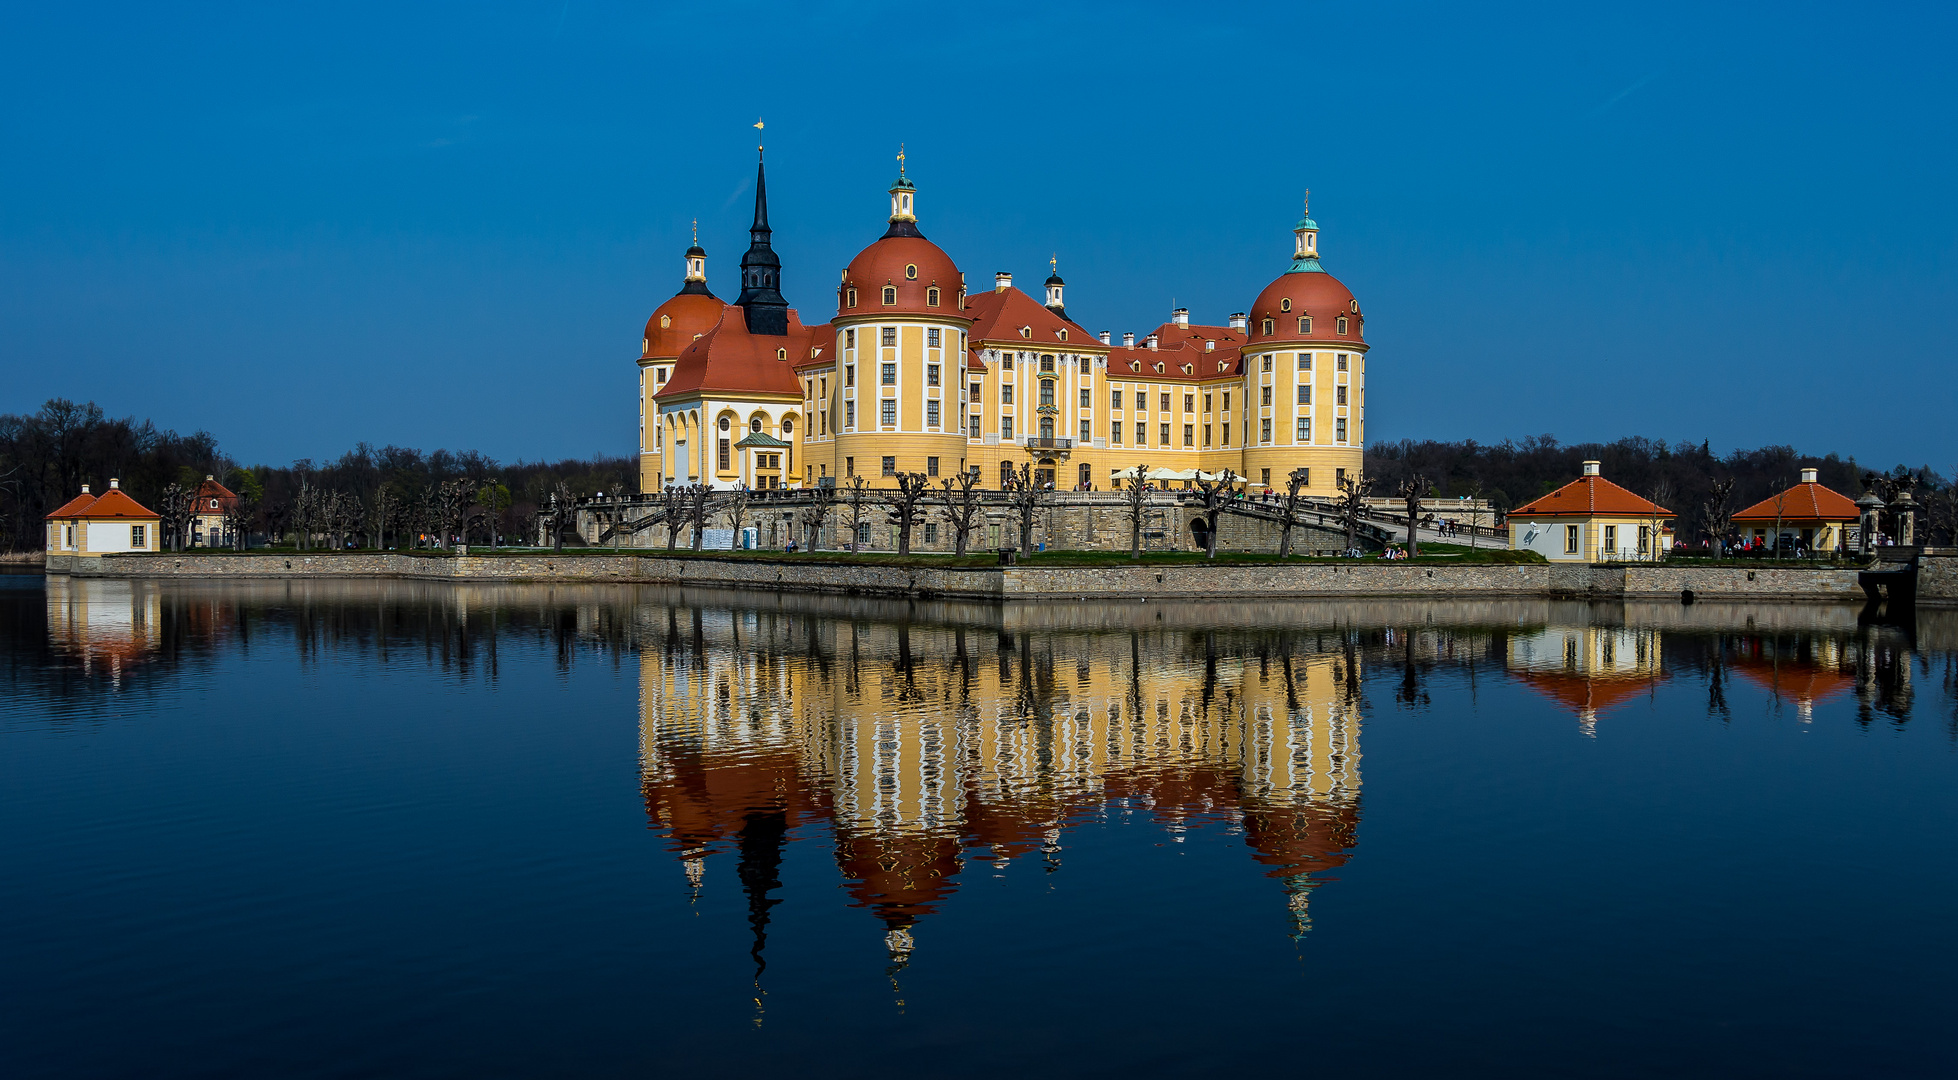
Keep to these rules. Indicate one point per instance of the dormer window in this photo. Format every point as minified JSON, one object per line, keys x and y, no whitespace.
{"x":1342,"y":325}
{"x":1353,"y":306}
{"x":931,"y":296}
{"x":1187,"y":369}
{"x":1285,"y":304}
{"x":849,"y":298}
{"x":781,"y":354}
{"x":1063,"y":335}
{"x":1305,"y":324}
{"x":1026,"y":331}
{"x":665,"y":322}
{"x":1159,"y":367}
{"x":1266,"y":327}
{"x":910,"y":271}
{"x":890,"y":294}
{"x":1135,"y":365}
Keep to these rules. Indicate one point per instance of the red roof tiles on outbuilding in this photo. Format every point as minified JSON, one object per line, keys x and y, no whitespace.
{"x":1803,"y":502}
{"x":1587,"y":496}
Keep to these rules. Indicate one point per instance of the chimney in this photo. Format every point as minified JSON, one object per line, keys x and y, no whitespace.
{"x":84,"y":489}
{"x":209,"y":477}
{"x":1240,"y":321}
{"x":1808,"y":476}
{"x":1590,"y":468}
{"x":1128,"y":339}
{"x":114,"y":483}
{"x":1152,"y":348}
{"x":1104,"y":336}
{"x":1002,"y":281}
{"x":1181,"y":316}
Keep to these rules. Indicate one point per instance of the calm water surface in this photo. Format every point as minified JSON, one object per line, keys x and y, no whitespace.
{"x":403,"y":829}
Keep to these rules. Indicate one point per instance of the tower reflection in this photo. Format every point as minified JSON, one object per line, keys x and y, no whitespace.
{"x":919,"y":748}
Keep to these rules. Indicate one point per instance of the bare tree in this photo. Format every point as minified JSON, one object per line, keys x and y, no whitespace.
{"x":176,"y":509}
{"x":1027,"y":497}
{"x":1214,"y":490}
{"x":1718,"y":512}
{"x":1353,"y":491}
{"x":735,"y":509}
{"x":821,"y":500}
{"x":699,"y":506}
{"x":674,"y":501}
{"x":1411,"y":491}
{"x":903,"y":509}
{"x":1295,"y":482}
{"x":1135,"y":503}
{"x":961,"y":508}
{"x":858,"y":497}
{"x":238,"y":515}
{"x":1662,"y":493}
{"x":383,"y":508}
{"x":553,"y":514}
{"x":452,"y":501}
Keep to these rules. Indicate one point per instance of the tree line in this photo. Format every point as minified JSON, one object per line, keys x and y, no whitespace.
{"x":365,"y":497}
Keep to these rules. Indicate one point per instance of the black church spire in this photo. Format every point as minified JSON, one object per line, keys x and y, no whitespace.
{"x":761,"y":271}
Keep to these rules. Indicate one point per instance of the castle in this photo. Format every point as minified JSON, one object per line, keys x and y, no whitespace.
{"x":913,"y":374}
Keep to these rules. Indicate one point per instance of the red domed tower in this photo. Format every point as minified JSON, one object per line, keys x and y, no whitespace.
{"x":900,"y":346}
{"x":1305,"y":375}
{"x":674,"y":325}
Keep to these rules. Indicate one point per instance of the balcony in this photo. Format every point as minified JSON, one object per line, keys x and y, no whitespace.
{"x":1036,"y":443}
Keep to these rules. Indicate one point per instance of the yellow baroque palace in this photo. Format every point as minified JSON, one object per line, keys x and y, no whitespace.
{"x":915,"y":374}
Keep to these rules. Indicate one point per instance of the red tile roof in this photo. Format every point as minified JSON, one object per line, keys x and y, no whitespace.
{"x":688,"y":316}
{"x":728,"y":359}
{"x":1587,"y":496}
{"x":73,"y":507}
{"x":211,"y":489}
{"x":115,"y":504}
{"x":1223,"y":362}
{"x":1319,"y":295}
{"x":1804,"y":502}
{"x":1588,"y":694}
{"x":997,"y":317}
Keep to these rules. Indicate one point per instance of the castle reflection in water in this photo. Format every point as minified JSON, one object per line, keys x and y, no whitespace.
{"x":923,"y":739}
{"x":922,"y":745}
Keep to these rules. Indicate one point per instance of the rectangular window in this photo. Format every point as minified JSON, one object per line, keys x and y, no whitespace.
{"x":808,"y":390}
{"x":1644,"y":537}
{"x":931,"y":466}
{"x":890,"y":336}
{"x":890,"y":374}
{"x":887,"y":413}
{"x":890,"y":466}
{"x":1206,"y":436}
{"x":1189,"y":403}
{"x":136,"y":539}
{"x":1264,"y":477}
{"x":1264,"y":430}
{"x":1570,"y":539}
{"x":849,"y":414}
{"x":850,"y":336}
{"x":931,"y":338}
{"x":1339,"y":395}
{"x":1305,"y":361}
{"x":1339,"y":477}
{"x":1006,"y":427}
{"x":849,"y":466}
{"x":1162,"y":435}
{"x":931,"y":527}
{"x":1189,"y":434}
{"x":975,"y":391}
{"x":1165,"y":398}
{"x":1087,"y":433}
{"x":974,"y":433}
{"x":931,"y":414}
{"x":849,"y":374}
{"x":1305,"y":429}
{"x":1266,"y":362}
{"x":1306,"y":480}
{"x":1227,"y":405}
{"x":1227,"y":435}
{"x":1264,"y":395}
{"x":1087,"y":398}
{"x":931,"y":374}
{"x":1339,"y":430}
{"x":1046,"y":361}
{"x":822,"y":388}
{"x":1141,"y":433}
{"x":660,"y":375}
{"x":1339,"y":362}
{"x":851,"y":300}
{"x":723,"y":456}
{"x":1115,"y":399}
{"x":1305,"y":394}
{"x":1610,"y":540}
{"x":1115,"y":433}
{"x":1006,"y":361}
{"x":1047,"y":392}
{"x":1006,"y":393}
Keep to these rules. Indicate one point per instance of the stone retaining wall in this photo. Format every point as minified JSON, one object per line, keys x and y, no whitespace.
{"x":1366,"y":578}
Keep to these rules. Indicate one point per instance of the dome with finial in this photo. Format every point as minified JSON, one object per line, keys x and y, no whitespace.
{"x":691,"y":312}
{"x":1306,"y":305}
{"x":902,"y":273}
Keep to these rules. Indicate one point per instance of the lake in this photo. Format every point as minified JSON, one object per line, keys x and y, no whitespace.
{"x":319,"y":828}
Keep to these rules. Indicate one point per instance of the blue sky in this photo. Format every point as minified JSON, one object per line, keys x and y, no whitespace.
{"x":446,"y":225}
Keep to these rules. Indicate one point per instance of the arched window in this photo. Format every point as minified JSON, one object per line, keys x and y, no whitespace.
{"x":890,"y":294}
{"x":1046,"y":427}
{"x":1342,"y":324}
{"x":931,"y":296}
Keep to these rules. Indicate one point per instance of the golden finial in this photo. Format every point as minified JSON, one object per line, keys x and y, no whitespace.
{"x":1308,"y":202}
{"x":900,"y":159}
{"x":1054,"y":263}
{"x":758,"y":146}
{"x":696,"y":232}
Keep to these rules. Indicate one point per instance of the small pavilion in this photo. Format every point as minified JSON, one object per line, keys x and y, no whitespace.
{"x":1808,"y":515}
{"x":105,"y":524}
